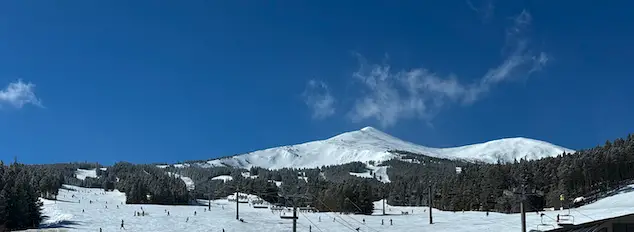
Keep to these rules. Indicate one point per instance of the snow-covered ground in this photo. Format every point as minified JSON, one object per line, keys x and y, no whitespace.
{"x":378,"y":172}
{"x":189,"y":183}
{"x":67,"y":213}
{"x":370,"y":144}
{"x":83,"y":173}
{"x":248,"y":175}
{"x":224,"y":178}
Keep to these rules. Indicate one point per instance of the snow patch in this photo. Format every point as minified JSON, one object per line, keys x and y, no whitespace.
{"x":83,"y":173}
{"x":224,"y":178}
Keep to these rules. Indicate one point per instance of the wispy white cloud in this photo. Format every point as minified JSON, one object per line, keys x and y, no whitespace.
{"x":390,"y":95}
{"x":17,"y":94}
{"x":318,"y":98}
{"x":485,"y":9}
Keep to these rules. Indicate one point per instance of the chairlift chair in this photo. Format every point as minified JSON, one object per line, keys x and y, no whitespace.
{"x":566,"y":219}
{"x":543,"y":226}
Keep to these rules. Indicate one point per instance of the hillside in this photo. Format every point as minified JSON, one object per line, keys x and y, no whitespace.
{"x":370,"y":144}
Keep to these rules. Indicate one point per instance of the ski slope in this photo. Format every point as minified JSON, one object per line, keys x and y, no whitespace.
{"x":370,"y":144}
{"x":83,"y":173}
{"x":189,"y":183}
{"x":67,"y":213}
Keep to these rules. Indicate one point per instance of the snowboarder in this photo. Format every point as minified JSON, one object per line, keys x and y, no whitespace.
{"x":122,"y":225}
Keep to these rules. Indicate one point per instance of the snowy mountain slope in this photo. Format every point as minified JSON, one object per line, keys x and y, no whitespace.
{"x":75,"y":213}
{"x":370,"y":144}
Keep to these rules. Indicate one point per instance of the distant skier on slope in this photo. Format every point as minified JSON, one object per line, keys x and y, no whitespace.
{"x":122,"y":227}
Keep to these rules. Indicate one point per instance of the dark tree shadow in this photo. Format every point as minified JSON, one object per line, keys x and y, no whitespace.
{"x":61,"y":224}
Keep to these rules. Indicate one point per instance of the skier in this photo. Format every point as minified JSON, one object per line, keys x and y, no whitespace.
{"x":319,"y":218}
{"x":122,"y":225}
{"x":390,"y":221}
{"x":117,"y":207}
{"x":381,"y":221}
{"x":187,"y":220}
{"x":487,"y":213}
{"x":364,"y":221}
{"x":82,"y":210}
{"x":100,"y":230}
{"x":194,"y":213}
{"x":168,"y":213}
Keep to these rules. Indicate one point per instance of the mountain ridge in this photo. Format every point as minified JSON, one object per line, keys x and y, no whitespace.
{"x":371,"y":144}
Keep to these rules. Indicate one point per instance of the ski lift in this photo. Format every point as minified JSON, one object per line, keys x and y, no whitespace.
{"x":543,"y":226}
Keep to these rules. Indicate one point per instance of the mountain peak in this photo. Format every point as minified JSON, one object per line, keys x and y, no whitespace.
{"x":368,"y":128}
{"x":371,"y":144}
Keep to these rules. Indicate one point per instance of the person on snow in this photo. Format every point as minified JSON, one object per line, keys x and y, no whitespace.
{"x":194,"y":213}
{"x":391,"y":222}
{"x":122,"y":227}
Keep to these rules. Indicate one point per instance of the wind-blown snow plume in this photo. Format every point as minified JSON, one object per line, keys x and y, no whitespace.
{"x":17,"y":94}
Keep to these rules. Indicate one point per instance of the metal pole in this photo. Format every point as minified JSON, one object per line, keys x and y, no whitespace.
{"x":431,"y":202}
{"x":383,"y":205}
{"x":294,"y":218}
{"x":523,"y":211}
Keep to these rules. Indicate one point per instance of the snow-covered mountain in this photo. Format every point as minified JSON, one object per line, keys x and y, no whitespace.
{"x":370,"y":144}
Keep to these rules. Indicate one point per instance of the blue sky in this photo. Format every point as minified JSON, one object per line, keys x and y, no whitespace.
{"x":166,"y":81}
